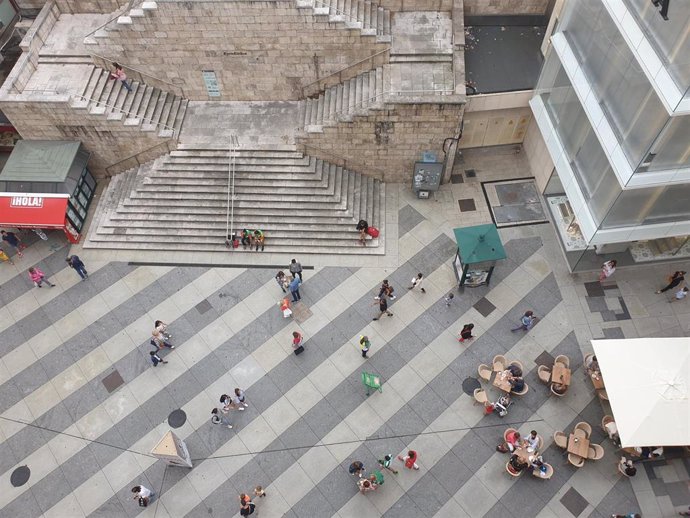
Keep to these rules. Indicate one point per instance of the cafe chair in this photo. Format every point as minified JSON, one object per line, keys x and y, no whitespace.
{"x":587,"y":359}
{"x":607,"y":419}
{"x":603,"y":395}
{"x":543,"y":475}
{"x":563,"y":359}
{"x":556,"y":393}
{"x":505,"y":434}
{"x":576,"y":460}
{"x":560,"y":439}
{"x":621,"y":470}
{"x":585,"y":427}
{"x":540,"y":443}
{"x":484,"y":372}
{"x":518,"y":364}
{"x":544,"y":373}
{"x":499,"y":363}
{"x":511,"y":472}
{"x":595,"y":452}
{"x":524,"y":391}
{"x":480,"y":397}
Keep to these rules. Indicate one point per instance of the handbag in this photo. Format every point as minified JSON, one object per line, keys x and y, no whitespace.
{"x":246,"y":511}
{"x":143,"y":501}
{"x":299,"y":350}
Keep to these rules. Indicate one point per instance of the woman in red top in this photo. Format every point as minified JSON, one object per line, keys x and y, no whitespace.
{"x":296,"y":340}
{"x":410,"y":459}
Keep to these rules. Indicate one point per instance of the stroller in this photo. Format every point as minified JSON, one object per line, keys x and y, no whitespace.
{"x":501,"y":406}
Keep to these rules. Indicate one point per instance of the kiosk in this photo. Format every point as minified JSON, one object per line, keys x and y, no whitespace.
{"x":46,"y":185}
{"x":479,"y":248}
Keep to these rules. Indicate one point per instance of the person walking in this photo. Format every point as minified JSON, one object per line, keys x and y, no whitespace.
{"x":356,"y":468}
{"x":259,"y":492}
{"x":680,"y":294}
{"x":78,"y":266}
{"x":162,"y":329}
{"x":448,"y":299}
{"x":466,"y":332}
{"x":364,"y":345}
{"x":11,"y":239}
{"x":282,"y":281}
{"x":526,"y":322}
{"x":410,"y":459}
{"x":246,"y":505}
{"x":607,"y":270}
{"x":386,"y":290}
{"x":38,"y":277}
{"x":296,"y":269}
{"x":159,"y":340}
{"x":155,"y":359}
{"x":120,"y":75}
{"x":383,"y":308}
{"x":4,"y":257}
{"x":218,"y":418}
{"x":226,"y":401}
{"x":143,"y":494}
{"x":673,"y":281}
{"x":239,"y":399}
{"x":297,"y":342}
{"x":294,"y":288}
{"x":417,"y":281}
{"x":386,"y":463}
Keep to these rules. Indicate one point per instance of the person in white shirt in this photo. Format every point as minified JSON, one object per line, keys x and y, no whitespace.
{"x":141,"y":492}
{"x":238,"y":399}
{"x":417,"y":281}
{"x":532,"y":440}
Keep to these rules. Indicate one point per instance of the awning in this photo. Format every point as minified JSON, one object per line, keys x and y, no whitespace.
{"x":647,"y":385}
{"x":479,"y":243}
{"x":32,"y":210}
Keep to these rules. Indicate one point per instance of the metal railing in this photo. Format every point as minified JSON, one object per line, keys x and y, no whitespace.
{"x":121,"y":11}
{"x":137,"y":75}
{"x":348,"y":16}
{"x":140,"y":158}
{"x":339,"y":160}
{"x":347,"y":73}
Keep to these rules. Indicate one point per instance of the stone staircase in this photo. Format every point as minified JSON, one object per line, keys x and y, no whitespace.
{"x":341,"y":102}
{"x":148,"y":107}
{"x":179,"y":202}
{"x":368,"y":17}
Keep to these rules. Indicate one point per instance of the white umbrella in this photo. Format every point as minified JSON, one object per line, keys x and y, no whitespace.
{"x":647,"y":385}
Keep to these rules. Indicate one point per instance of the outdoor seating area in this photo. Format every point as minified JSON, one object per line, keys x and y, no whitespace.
{"x":506,"y":376}
{"x":577,"y":444}
{"x":525,"y":454}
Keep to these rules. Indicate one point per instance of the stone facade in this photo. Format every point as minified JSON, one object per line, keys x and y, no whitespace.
{"x":109,"y":142}
{"x":258,"y":50}
{"x":386,"y":144}
{"x":416,"y":5}
{"x":90,"y":6}
{"x":505,"y":7}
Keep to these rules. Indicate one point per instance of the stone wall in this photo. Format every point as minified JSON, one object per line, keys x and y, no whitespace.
{"x":505,"y":7}
{"x":30,"y":5}
{"x":495,"y":127}
{"x":108,"y":141}
{"x":537,"y":155}
{"x":416,"y":5}
{"x":90,"y":6}
{"x":259,"y":50}
{"x":390,"y":140}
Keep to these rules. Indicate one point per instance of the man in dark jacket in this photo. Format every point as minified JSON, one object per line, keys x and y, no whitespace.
{"x":78,"y":266}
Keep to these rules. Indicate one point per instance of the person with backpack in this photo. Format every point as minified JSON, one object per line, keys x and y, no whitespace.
{"x":466,"y":333}
{"x":364,"y":345}
{"x":386,"y":463}
{"x":218,"y":418}
{"x":143,"y":494}
{"x":387,"y":290}
{"x":246,"y":505}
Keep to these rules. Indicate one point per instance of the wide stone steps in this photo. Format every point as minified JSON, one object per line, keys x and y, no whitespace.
{"x":147,"y":107}
{"x":342,"y":102}
{"x":148,"y":209}
{"x":370,"y":18}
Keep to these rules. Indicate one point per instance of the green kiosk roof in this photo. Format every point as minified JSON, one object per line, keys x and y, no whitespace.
{"x":40,"y":161}
{"x":479,"y":243}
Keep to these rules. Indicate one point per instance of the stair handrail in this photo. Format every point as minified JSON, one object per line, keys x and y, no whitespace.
{"x":351,"y":18}
{"x":342,"y":161}
{"x":120,"y":11}
{"x":150,"y":121}
{"x":384,"y":95}
{"x":337,"y":76}
{"x":135,"y":74}
{"x":138,"y":161}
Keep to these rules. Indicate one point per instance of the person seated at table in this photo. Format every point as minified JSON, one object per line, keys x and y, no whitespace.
{"x":536,"y":462}
{"x":512,"y":440}
{"x":514,"y":370}
{"x":516,"y":465}
{"x":559,"y":388}
{"x":517,"y":384}
{"x":627,"y":467}
{"x":532,"y":440}
{"x":591,"y":364}
{"x":648,"y":452}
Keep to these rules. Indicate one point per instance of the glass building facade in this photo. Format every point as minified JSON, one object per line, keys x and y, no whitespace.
{"x":621,"y":150}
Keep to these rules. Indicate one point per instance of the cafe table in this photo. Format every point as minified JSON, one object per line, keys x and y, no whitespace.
{"x":597,"y":380}
{"x":501,"y":381}
{"x":578,"y":445}
{"x":560,"y":374}
{"x":524,"y":454}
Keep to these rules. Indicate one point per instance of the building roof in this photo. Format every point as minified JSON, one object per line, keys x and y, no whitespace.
{"x":40,"y":161}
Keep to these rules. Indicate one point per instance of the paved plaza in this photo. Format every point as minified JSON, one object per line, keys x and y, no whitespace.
{"x":82,"y":406}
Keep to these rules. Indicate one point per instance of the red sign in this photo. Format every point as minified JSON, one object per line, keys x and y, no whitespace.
{"x":26,"y":201}
{"x":17,"y":211}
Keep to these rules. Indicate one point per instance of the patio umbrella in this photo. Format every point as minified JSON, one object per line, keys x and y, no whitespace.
{"x":479,"y":243}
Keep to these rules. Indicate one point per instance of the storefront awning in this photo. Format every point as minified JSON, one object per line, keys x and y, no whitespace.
{"x":30,"y":210}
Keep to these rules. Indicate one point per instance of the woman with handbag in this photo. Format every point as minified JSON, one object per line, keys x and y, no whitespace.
{"x":297,"y":341}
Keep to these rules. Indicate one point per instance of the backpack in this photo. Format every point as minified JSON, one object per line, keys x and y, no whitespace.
{"x":373,"y":232}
